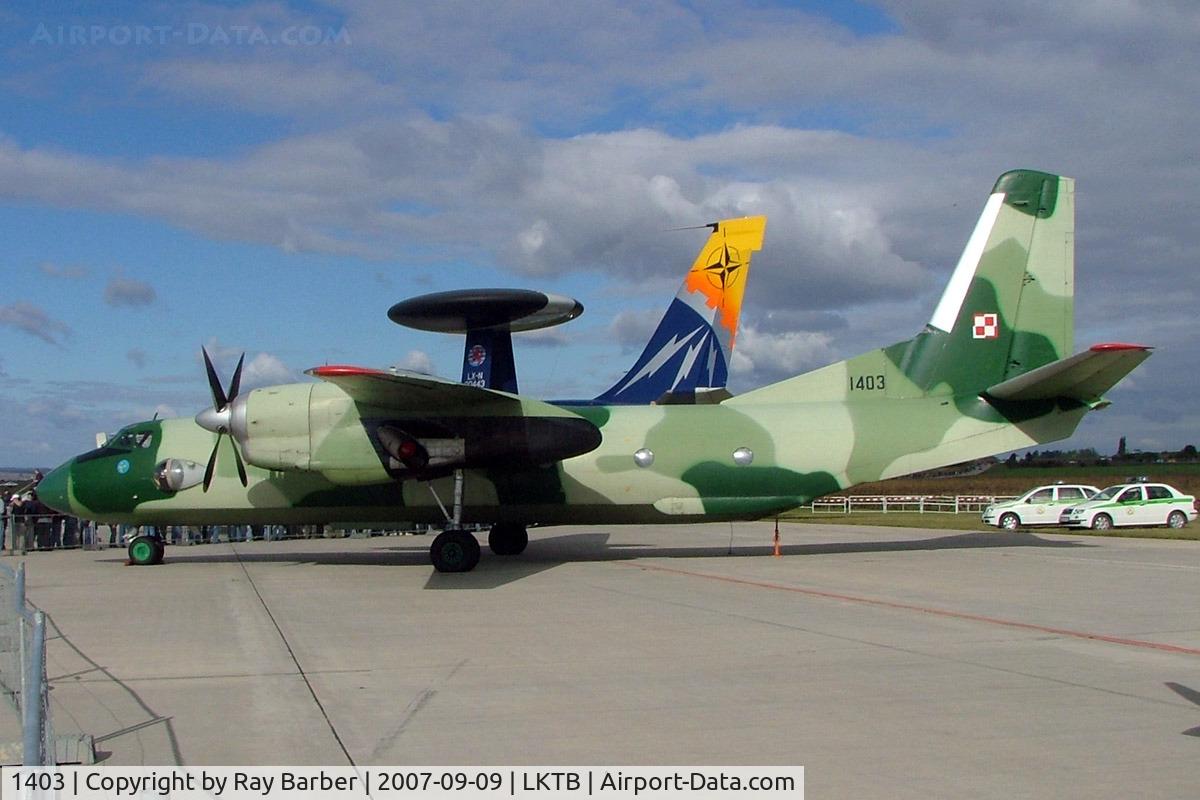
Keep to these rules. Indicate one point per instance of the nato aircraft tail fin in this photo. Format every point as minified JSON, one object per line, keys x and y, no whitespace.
{"x":687,"y":358}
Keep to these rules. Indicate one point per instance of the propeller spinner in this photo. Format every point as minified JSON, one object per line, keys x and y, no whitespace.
{"x":227,"y":417}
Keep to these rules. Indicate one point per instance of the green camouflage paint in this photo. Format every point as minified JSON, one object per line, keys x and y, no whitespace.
{"x":915,"y":405}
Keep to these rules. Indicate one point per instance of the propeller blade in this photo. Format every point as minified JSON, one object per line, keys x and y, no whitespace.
{"x":214,"y":383}
{"x":236,"y":383}
{"x":237,"y":457}
{"x":219,"y":422}
{"x":212,"y":464}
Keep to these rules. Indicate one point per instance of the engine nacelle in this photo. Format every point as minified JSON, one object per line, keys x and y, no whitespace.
{"x":307,"y":427}
{"x":319,"y":428}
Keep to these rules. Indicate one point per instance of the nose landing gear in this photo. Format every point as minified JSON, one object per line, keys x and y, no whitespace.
{"x":145,"y":550}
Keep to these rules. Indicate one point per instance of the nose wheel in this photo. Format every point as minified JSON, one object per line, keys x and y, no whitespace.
{"x":146,"y":550}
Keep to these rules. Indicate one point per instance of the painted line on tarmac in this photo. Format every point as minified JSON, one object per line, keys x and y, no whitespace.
{"x":939,"y":612}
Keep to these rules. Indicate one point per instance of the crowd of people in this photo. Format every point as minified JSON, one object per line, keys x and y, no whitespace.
{"x":27,"y":524}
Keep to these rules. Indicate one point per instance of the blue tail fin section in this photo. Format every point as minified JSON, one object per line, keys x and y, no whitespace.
{"x":689,"y":353}
{"x":488,"y":360}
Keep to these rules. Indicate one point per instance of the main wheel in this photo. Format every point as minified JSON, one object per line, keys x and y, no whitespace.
{"x":145,"y":550}
{"x":454,"y":551}
{"x":1102,"y":522}
{"x":1010,"y":521}
{"x":160,"y":549}
{"x":508,"y":539}
{"x":1176,"y":519}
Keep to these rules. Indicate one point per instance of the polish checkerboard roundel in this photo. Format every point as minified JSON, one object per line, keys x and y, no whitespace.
{"x":987,"y":326}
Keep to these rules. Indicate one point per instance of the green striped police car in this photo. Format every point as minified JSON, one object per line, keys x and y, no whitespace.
{"x":1040,"y":506}
{"x":1136,"y":503}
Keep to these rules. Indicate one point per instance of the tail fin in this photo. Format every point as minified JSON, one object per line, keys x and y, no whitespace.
{"x":1008,"y":309}
{"x":690,"y":350}
{"x":1009,"y":306}
{"x":990,"y":372}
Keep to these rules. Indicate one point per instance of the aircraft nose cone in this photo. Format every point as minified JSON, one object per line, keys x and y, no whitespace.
{"x":55,"y":489}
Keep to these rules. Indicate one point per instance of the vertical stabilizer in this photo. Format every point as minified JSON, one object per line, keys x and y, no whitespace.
{"x":1007,"y":309}
{"x":1009,"y":306}
{"x":690,"y":350}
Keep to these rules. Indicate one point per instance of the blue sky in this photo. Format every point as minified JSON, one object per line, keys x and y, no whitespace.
{"x":271,"y":177}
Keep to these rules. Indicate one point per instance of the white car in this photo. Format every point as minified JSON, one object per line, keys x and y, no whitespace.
{"x":1040,"y":506}
{"x":1137,"y":504}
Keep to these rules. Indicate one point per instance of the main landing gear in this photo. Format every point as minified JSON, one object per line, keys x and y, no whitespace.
{"x":454,"y":551}
{"x":508,"y":539}
{"x":457,"y":550}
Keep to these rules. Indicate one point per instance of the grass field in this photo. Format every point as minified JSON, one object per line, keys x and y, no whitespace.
{"x":971,"y":522}
{"x":1003,"y":480}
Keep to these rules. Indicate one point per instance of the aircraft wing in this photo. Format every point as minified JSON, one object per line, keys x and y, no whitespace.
{"x":410,"y":390}
{"x":1084,"y":376}
{"x":422,"y":427}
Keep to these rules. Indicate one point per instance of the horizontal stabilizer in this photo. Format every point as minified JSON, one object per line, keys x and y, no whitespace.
{"x":1084,"y":376}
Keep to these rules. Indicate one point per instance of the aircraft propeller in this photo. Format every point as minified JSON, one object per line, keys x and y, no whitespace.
{"x":220,"y":419}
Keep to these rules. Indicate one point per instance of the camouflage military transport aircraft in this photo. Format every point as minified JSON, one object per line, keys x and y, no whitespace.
{"x":991,"y":372}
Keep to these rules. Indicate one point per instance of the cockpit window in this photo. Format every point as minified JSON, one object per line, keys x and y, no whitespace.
{"x":130,"y":440}
{"x":122,"y":442}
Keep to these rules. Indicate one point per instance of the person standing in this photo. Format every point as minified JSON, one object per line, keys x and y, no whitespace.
{"x":6,"y":518}
{"x":20,"y":523}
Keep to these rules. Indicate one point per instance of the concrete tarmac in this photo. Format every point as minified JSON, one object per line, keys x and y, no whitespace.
{"x":889,"y":662}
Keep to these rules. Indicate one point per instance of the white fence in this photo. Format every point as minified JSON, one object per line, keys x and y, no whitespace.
{"x":906,"y":503}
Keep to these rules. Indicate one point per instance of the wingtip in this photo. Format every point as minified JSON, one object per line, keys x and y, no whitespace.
{"x":341,"y":371}
{"x":1114,"y":346}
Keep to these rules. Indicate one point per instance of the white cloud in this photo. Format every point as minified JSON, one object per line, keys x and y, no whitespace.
{"x":418,"y":361}
{"x":265,"y":369}
{"x":220,"y":354}
{"x":34,"y":321}
{"x":128,"y":292}
{"x":633,"y":329}
{"x":260,"y":369}
{"x":272,"y":86}
{"x":542,"y":337}
{"x":760,"y":358}
{"x":69,"y":271}
{"x":518,"y":139}
{"x":164,"y":411}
